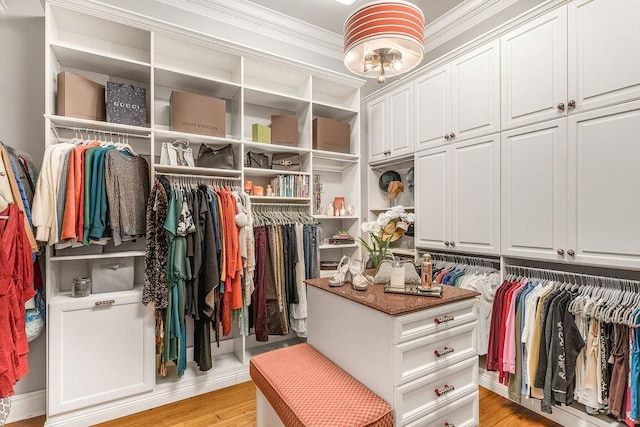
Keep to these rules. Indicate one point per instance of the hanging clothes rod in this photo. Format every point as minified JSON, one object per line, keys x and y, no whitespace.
{"x":296,"y":205}
{"x":565,"y":275}
{"x":463,"y":259}
{"x":217,"y":178}
{"x":100,"y":131}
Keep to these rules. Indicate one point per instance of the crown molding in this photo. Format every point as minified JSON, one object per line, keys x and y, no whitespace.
{"x":267,"y":22}
{"x":462,"y":18}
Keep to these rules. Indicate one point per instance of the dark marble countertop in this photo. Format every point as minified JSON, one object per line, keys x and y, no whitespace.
{"x":393,"y":304}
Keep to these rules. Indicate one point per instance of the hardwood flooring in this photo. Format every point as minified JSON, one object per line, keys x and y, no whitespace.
{"x":236,"y":407}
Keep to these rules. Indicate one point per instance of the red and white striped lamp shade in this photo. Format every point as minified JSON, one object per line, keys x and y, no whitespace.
{"x":387,"y":32}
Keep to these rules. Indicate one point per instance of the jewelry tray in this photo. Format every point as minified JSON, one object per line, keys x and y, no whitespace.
{"x":411,"y":289}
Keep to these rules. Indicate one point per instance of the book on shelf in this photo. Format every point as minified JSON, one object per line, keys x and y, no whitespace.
{"x":290,"y":185}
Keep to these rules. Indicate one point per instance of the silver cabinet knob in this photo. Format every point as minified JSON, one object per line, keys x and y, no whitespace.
{"x":453,"y":244}
{"x":561,"y":106}
{"x":452,"y":135}
{"x":560,"y":251}
{"x":446,"y":243}
{"x":447,"y":137}
{"x":571,"y":104}
{"x":571,"y":252}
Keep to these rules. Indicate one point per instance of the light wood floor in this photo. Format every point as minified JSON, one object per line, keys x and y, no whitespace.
{"x":236,"y":406}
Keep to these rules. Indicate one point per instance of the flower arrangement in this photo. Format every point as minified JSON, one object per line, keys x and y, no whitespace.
{"x":389,"y":226}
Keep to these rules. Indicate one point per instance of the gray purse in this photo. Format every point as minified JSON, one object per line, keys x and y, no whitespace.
{"x":383,"y":273}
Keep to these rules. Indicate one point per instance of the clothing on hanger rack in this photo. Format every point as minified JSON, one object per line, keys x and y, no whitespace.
{"x":560,"y":337}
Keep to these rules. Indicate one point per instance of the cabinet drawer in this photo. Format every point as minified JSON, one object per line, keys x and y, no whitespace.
{"x":448,"y":316}
{"x":101,"y":348}
{"x":418,"y":398}
{"x":416,"y":358}
{"x":462,"y":413}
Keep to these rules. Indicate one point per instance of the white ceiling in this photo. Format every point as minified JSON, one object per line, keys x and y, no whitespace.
{"x":330,"y":15}
{"x":23,"y":8}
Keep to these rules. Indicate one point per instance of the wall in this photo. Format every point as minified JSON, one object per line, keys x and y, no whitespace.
{"x":22,"y":127}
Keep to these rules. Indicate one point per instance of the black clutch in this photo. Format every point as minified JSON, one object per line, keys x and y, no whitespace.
{"x":257,"y":160}
{"x":223,"y":158}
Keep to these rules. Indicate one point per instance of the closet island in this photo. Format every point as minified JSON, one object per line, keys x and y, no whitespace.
{"x":417,"y":353}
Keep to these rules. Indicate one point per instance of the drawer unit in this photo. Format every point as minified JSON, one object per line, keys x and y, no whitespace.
{"x":448,"y":316}
{"x":461,"y":413}
{"x":418,"y":398}
{"x":427,"y":354}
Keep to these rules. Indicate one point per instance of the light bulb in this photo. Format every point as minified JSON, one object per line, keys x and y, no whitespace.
{"x":381,"y":77}
{"x":396,"y":65}
{"x":368,"y":67}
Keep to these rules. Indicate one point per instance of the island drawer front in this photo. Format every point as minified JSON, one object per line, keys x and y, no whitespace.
{"x":442,"y":318}
{"x":461,"y":413}
{"x":421,"y":397}
{"x":422,"y":356}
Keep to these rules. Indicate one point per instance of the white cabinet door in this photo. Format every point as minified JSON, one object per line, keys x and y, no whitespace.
{"x":604,"y":52}
{"x":433,"y":197}
{"x":604,"y":178}
{"x":475,"y":195}
{"x":401,"y":121}
{"x":534,"y":191}
{"x":534,"y":71}
{"x":432,"y":114}
{"x":475,"y":92}
{"x":377,"y":128}
{"x":99,"y":353}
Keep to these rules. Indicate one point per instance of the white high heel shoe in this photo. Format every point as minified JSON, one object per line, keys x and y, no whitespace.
{"x":338,"y":278}
{"x":359,"y":280}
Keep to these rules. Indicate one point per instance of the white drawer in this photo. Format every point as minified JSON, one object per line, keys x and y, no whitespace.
{"x":422,"y":356}
{"x":461,"y":413}
{"x":418,"y":398}
{"x":416,"y":325}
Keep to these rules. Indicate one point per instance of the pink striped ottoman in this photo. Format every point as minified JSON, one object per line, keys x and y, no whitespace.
{"x":304,"y":388}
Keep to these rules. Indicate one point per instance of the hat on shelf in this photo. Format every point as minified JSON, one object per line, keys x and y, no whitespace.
{"x":393,"y":230}
{"x":394,"y":189}
{"x":386,"y":178}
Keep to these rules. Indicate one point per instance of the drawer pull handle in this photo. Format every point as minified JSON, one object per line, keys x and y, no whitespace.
{"x":449,"y":425}
{"x":445,"y":390}
{"x":106,"y":302}
{"x":444,"y":352}
{"x":443,"y":319}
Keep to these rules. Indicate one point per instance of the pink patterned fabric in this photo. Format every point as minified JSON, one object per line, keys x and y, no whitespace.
{"x":307,"y":389}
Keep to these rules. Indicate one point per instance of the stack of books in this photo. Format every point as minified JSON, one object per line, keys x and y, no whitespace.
{"x":341,"y":239}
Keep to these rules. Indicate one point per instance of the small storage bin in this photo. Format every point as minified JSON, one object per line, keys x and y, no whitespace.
{"x":80,"y":250}
{"x":112,"y":275}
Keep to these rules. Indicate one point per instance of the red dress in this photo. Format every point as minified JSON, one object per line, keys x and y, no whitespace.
{"x":16,"y":288}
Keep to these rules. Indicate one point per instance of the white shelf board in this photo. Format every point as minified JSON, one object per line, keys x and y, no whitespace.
{"x":332,"y":111}
{"x":271,"y":172}
{"x":377,"y":211}
{"x":273,"y":100}
{"x":144,"y":132}
{"x":273,"y":199}
{"x":104,"y":255}
{"x":335,"y":156}
{"x":77,"y":57}
{"x":171,"y":135}
{"x":269,"y":346}
{"x":262,"y":147}
{"x":329,"y":161}
{"x":186,"y":170}
{"x":328,"y":246}
{"x":335,"y":217}
{"x":65,"y":298}
{"x":176,"y":78}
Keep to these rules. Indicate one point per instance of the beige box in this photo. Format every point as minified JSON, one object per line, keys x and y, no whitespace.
{"x":195,"y":113}
{"x":80,"y":97}
{"x":331,"y":135}
{"x":284,"y":130}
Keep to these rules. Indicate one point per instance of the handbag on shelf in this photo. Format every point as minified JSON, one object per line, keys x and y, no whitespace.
{"x":383,"y":273}
{"x":223,"y":158}
{"x":286,"y":161}
{"x":177,"y":153}
{"x":257,"y":160}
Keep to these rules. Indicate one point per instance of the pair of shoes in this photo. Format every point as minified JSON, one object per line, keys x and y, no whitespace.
{"x":359,"y":280}
{"x":338,"y":279}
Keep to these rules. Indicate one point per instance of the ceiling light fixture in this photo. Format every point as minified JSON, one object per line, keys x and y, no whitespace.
{"x":384,"y":37}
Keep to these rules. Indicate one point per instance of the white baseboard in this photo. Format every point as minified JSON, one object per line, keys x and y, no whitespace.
{"x":563,"y":415}
{"x":28,"y":405}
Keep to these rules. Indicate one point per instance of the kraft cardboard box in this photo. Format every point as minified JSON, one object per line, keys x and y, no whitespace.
{"x":331,"y":135}
{"x":195,"y":113}
{"x":80,"y":97}
{"x":284,"y":130}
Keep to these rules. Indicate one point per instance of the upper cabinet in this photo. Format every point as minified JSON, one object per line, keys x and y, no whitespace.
{"x":460,"y":100}
{"x":575,"y":58}
{"x":534,"y":71}
{"x":390,"y":125}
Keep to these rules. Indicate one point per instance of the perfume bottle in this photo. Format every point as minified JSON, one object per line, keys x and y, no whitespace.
{"x":427,"y":271}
